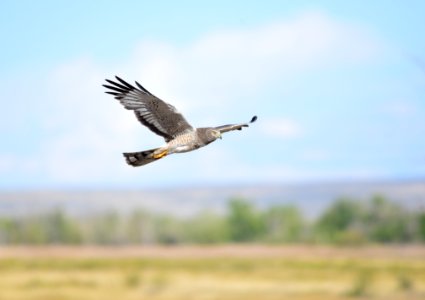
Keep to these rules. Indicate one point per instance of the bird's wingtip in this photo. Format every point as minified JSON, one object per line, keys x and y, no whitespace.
{"x":254,"y":118}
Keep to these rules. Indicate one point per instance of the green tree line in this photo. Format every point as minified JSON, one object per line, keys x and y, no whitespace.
{"x":346,"y":221}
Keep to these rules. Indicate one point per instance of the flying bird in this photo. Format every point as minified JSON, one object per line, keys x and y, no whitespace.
{"x":164,"y":120}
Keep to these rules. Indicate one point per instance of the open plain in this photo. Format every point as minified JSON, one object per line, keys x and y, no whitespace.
{"x":212,"y":272}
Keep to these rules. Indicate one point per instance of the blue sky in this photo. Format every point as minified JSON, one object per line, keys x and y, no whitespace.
{"x":338,"y":88}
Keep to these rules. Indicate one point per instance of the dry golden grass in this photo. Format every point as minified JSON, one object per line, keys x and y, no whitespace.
{"x":223,"y":272}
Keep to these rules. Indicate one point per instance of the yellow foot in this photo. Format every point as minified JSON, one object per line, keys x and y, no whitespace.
{"x":160,"y":154}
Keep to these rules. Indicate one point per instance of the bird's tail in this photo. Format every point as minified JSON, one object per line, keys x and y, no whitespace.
{"x":137,"y":159}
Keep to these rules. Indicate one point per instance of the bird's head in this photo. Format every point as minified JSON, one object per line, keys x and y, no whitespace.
{"x":208,"y":134}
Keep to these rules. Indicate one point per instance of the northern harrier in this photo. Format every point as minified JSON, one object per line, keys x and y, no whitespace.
{"x":163,"y":119}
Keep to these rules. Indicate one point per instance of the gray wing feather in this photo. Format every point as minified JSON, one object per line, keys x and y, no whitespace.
{"x":230,"y":127}
{"x":159,"y":116}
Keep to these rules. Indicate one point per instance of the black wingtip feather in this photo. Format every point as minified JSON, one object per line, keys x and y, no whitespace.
{"x":254,"y":118}
{"x":123,"y":86}
{"x":112,"y":82}
{"x":125,"y":83}
{"x":118,"y":89}
{"x":142,"y":88}
{"x":112,"y":93}
{"x":120,"y":86}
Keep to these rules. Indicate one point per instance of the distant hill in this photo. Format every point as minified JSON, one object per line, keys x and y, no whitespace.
{"x":312,"y":199}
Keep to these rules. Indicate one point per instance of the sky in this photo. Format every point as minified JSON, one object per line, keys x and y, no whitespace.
{"x":338,"y":88}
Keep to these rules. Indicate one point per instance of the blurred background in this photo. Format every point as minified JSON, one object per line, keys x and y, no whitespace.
{"x":322,"y":198}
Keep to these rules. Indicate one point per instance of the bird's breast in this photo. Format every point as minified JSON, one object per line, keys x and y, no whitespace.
{"x":183,"y":143}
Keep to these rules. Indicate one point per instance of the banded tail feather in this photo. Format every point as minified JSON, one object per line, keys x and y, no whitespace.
{"x":141,"y":158}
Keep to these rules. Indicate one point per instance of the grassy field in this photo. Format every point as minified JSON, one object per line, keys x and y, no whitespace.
{"x":222,"y":272}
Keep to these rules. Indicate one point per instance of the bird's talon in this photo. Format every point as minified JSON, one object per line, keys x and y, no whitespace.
{"x":160,"y":154}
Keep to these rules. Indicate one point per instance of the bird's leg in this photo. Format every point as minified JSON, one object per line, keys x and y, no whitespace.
{"x":160,"y":153}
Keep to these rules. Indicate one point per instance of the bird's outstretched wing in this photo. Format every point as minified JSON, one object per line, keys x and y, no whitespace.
{"x":159,"y":116}
{"x":230,"y":127}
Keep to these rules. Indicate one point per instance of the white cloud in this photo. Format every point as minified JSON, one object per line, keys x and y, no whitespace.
{"x":6,"y":163}
{"x":209,"y":79}
{"x":24,"y":164}
{"x":221,"y":67}
{"x":308,"y":40}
